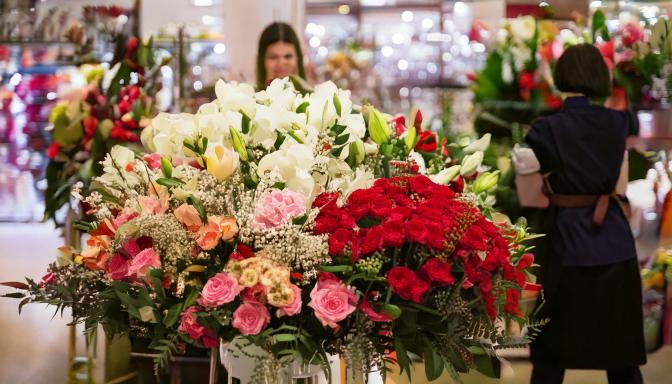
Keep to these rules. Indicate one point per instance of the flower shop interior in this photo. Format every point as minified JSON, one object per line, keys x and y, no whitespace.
{"x":304,"y":191}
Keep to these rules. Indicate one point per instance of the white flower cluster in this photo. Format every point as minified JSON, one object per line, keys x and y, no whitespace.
{"x":285,"y":132}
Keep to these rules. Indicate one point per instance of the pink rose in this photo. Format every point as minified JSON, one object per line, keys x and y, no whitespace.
{"x":142,"y":262}
{"x":189,"y":325}
{"x":117,"y":269}
{"x":188,"y":216}
{"x":278,"y":207}
{"x":153,"y":161}
{"x":332,"y":302}
{"x":220,"y":289}
{"x":251,"y":318}
{"x":295,"y":306}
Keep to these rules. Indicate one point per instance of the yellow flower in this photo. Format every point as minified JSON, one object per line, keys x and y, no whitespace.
{"x":221,"y":162}
{"x":249,"y":278}
{"x":547,"y":31}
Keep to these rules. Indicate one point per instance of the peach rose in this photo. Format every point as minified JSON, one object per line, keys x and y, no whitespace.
{"x":188,"y":216}
{"x":228,"y":227}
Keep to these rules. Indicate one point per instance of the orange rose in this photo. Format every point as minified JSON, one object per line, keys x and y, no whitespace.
{"x":228,"y":227}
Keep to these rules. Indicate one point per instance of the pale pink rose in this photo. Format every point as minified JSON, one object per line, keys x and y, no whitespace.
{"x":142,"y":262}
{"x":295,"y":306}
{"x":251,"y":318}
{"x":332,"y":302}
{"x":278,"y":207}
{"x":189,"y":325}
{"x":152,"y":205}
{"x":188,"y":216}
{"x":209,"y":235}
{"x":220,"y":289}
{"x":153,"y":161}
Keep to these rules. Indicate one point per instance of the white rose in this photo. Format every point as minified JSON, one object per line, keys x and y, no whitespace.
{"x":235,"y":97}
{"x":523,"y":27}
{"x":280,"y":92}
{"x":293,"y":164}
{"x":168,"y":131}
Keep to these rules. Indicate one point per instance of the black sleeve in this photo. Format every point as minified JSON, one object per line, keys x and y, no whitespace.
{"x":632,"y":121}
{"x":540,"y":139}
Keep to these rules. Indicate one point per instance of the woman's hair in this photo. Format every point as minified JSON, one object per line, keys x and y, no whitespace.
{"x":581,"y":69}
{"x":277,"y":32}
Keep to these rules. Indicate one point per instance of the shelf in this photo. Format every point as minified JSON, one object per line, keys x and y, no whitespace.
{"x":33,"y":43}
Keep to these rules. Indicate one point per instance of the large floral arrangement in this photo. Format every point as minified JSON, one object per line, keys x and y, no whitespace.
{"x":113,"y":109}
{"x":304,"y":224}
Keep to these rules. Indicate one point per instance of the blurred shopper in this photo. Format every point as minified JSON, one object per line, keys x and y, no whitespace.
{"x":279,"y":55}
{"x":588,"y":260}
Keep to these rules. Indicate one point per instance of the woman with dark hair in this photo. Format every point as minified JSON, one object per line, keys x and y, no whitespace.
{"x":279,"y":54}
{"x":588,"y":263}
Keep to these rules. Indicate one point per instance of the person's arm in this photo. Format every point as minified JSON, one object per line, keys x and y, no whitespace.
{"x":527,"y":160}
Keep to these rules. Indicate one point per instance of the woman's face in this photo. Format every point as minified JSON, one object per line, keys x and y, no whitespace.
{"x":280,"y":60}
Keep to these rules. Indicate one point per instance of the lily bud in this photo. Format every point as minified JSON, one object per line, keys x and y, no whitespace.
{"x":485,"y":181}
{"x":238,"y":143}
{"x":357,"y":150}
{"x":445,"y":176}
{"x":470,"y":163}
{"x":379,"y":130}
{"x":479,"y":145}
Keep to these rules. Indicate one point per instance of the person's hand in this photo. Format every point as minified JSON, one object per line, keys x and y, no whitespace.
{"x":524,"y":160}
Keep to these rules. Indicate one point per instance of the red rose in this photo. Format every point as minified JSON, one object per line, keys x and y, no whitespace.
{"x":418,"y":289}
{"x":132,"y":45}
{"x":400,"y":279}
{"x":53,"y":150}
{"x":381,"y":207}
{"x":416,"y":231}
{"x":326,"y":276}
{"x":366,"y":308}
{"x":525,"y":261}
{"x":457,"y":185}
{"x":338,"y":240}
{"x":437,"y":271}
{"x":256,"y":293}
{"x":421,"y":185}
{"x":324,"y":224}
{"x":90,"y":124}
{"x":372,"y":240}
{"x":393,"y":233}
{"x":553,"y":101}
{"x":427,"y":142}
{"x":526,"y":80}
{"x":245,"y":250}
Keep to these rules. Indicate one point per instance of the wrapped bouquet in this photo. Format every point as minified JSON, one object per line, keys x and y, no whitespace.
{"x":307,"y":226}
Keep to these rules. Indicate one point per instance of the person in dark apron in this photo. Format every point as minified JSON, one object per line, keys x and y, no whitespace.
{"x":588,"y":261}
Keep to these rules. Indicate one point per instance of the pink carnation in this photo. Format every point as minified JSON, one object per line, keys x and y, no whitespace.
{"x":117,"y":268}
{"x":295,"y":307}
{"x":251,"y":318}
{"x":332,"y":302}
{"x":278,"y":207}
{"x":220,"y":289}
{"x":142,"y":262}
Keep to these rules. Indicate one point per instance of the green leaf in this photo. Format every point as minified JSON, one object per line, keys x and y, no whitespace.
{"x":284,"y":337}
{"x":487,"y":364}
{"x":303,"y":107}
{"x":335,"y":268}
{"x":337,"y":129}
{"x":367,"y":222}
{"x":196,"y":203}
{"x":598,"y":24}
{"x":300,"y":220}
{"x":433,"y":362}
{"x":336,"y":152}
{"x":245,"y":123}
{"x":166,"y":167}
{"x":391,"y":310}
{"x":173,"y":315}
{"x":340,"y":140}
{"x":337,"y":105}
{"x":238,"y":143}
{"x":169,"y":182}
{"x":191,"y":297}
{"x":402,"y":357}
{"x":14,"y":295}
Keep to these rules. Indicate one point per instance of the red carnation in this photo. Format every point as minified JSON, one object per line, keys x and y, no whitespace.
{"x":90,"y":124}
{"x":324,"y":199}
{"x":399,"y":124}
{"x":381,"y":207}
{"x":416,"y":231}
{"x":419,"y":288}
{"x":526,"y":80}
{"x":457,"y":185}
{"x":338,"y":241}
{"x":437,"y":271}
{"x":371,"y":240}
{"x":324,"y":224}
{"x":525,"y":261}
